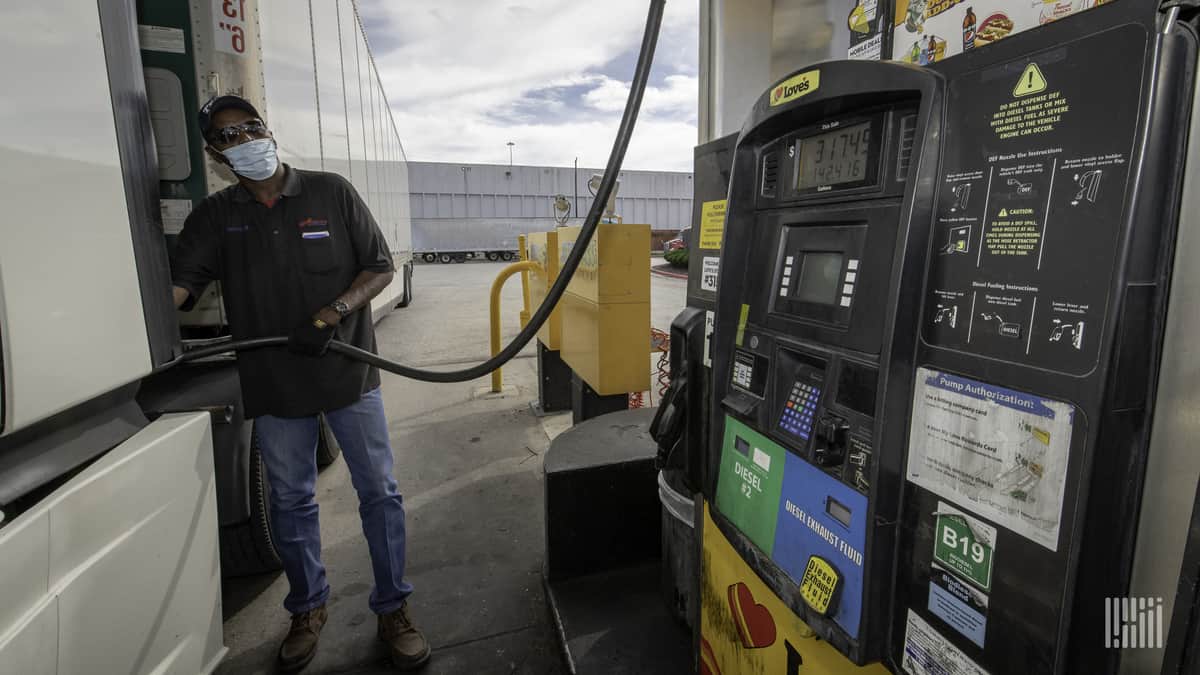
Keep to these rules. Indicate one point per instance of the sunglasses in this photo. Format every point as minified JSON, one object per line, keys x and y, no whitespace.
{"x":229,"y":135}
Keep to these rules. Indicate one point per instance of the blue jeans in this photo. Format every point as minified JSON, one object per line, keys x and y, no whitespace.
{"x":289,"y":451}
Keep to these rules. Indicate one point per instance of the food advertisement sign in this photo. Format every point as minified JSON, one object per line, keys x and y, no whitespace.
{"x":927,"y":31}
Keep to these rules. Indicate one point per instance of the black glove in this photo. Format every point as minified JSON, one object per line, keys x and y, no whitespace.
{"x":309,"y":340}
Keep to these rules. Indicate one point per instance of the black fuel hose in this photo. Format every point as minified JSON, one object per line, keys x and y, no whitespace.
{"x":632,"y":105}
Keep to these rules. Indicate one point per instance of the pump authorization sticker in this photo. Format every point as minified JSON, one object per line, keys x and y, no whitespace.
{"x":999,"y":452}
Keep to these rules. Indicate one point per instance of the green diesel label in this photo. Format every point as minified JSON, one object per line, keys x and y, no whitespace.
{"x":964,"y":545}
{"x":750,"y":482}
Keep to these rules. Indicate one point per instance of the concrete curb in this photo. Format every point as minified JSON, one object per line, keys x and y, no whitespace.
{"x":667,"y":271}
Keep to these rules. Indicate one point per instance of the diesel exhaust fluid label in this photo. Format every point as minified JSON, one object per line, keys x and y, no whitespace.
{"x":1032,"y":202}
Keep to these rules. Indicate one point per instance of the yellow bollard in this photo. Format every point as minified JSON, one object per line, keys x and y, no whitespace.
{"x":523,"y":267}
{"x":525,"y":311}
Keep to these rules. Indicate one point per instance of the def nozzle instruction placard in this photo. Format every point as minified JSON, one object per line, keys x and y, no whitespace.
{"x":1032,"y":203}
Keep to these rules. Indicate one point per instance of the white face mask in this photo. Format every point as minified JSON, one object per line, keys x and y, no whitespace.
{"x":256,"y":160}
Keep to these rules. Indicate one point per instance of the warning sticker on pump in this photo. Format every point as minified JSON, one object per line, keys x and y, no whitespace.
{"x":712,"y":224}
{"x":1033,"y":203}
{"x":1000,"y":452}
{"x":926,"y":652}
{"x":708,"y":274}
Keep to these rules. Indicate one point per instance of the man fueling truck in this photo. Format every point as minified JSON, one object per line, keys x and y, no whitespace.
{"x":898,"y":459}
{"x":118,"y":473}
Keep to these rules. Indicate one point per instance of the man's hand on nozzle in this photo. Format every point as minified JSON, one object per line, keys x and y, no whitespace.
{"x":311,"y":338}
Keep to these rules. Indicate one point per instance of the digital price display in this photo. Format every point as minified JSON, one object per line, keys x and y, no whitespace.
{"x":835,"y":157}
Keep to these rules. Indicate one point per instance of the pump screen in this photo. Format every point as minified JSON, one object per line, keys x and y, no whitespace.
{"x":820,"y":278}
{"x":835,"y":157}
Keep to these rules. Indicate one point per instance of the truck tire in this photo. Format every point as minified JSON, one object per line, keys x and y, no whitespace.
{"x":328,"y":449}
{"x":445,"y":258}
{"x":248,"y":547}
{"x":406,"y":299}
{"x":492,"y":256}
{"x":507,"y":256}
{"x":429,"y":257}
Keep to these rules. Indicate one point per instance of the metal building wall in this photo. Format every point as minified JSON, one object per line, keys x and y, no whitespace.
{"x":452,"y":191}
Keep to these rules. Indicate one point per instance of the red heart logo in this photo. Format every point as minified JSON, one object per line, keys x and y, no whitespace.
{"x":778,"y":93}
{"x":754,"y":622}
{"x":708,"y":660}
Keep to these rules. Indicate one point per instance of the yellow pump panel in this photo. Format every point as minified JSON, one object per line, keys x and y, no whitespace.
{"x":542,"y":248}
{"x":606,"y":309}
{"x":746,"y":628}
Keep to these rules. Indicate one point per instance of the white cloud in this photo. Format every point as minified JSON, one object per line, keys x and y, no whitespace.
{"x":678,"y":96}
{"x":464,"y":77}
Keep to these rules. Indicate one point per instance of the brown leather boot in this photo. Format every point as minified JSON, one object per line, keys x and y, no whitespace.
{"x":300,"y":645}
{"x":408,"y":646}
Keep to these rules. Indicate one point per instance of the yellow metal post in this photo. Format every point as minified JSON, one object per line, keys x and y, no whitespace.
{"x":523,"y":267}
{"x":526,"y":310}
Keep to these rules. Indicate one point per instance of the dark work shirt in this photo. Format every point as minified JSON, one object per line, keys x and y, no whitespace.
{"x":279,"y":266}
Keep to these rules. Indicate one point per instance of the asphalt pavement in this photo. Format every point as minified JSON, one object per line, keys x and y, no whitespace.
{"x":469,"y":465}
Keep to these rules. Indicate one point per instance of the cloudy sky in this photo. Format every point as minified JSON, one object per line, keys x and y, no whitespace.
{"x":465,"y":77}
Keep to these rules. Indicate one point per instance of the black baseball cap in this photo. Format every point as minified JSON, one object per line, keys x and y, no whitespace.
{"x":218,"y":103}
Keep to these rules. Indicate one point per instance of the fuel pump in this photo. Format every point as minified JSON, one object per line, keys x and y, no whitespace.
{"x":939,"y":334}
{"x":1040,"y":344}
{"x":828,"y":222}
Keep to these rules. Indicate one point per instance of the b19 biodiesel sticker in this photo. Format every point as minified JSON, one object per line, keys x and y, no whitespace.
{"x":964,"y":545}
{"x":999,"y":452}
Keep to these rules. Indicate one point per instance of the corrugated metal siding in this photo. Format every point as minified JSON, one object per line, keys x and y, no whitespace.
{"x":470,"y":191}
{"x":338,"y":119}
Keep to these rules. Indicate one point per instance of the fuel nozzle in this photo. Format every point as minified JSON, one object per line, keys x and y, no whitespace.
{"x":832,"y":436}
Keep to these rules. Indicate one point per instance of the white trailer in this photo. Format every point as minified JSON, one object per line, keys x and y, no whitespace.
{"x":126,"y":493}
{"x":459,"y":240}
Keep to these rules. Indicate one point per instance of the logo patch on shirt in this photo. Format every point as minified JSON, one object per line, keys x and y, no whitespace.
{"x":313,"y":222}
{"x":315,"y":235}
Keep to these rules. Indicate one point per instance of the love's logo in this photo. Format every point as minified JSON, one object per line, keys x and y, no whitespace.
{"x":755,"y":625}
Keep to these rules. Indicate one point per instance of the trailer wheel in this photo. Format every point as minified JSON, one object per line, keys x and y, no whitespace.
{"x":507,"y":255}
{"x":328,"y":449}
{"x":445,"y":258}
{"x":429,"y":257}
{"x":491,"y":255}
{"x":248,"y":547}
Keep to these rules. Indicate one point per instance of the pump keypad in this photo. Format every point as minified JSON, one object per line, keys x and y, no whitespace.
{"x":797,"y":417}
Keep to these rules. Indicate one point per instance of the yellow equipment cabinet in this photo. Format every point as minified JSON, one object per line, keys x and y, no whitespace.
{"x":606,"y":309}
{"x":542,"y":248}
